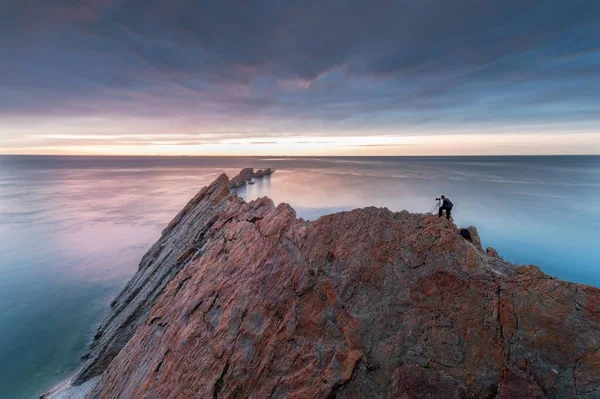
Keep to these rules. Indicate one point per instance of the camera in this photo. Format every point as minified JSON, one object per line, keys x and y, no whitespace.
{"x":438,"y":199}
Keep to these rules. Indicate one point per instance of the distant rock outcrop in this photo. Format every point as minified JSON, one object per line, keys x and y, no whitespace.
{"x":261,"y":173}
{"x":241,"y":300}
{"x":246,"y":175}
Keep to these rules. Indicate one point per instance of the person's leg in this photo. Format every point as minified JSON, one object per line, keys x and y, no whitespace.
{"x":440,"y":212}
{"x":448,"y":213}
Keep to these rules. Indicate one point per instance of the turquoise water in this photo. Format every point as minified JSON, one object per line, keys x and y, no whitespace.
{"x":72,"y":229}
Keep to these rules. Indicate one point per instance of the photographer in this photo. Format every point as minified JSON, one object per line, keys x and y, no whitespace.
{"x":446,"y":205}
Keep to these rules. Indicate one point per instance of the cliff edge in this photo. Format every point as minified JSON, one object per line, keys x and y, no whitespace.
{"x":241,"y":300}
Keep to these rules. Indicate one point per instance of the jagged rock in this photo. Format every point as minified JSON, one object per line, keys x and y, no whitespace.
{"x":241,"y":178}
{"x":261,"y":173}
{"x":492,"y":252}
{"x":475,"y":239}
{"x":181,"y":241}
{"x":471,"y":235}
{"x":366,"y":303}
{"x":246,"y":175}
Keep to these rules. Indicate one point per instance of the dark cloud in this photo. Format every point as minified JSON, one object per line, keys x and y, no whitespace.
{"x":312,"y":65}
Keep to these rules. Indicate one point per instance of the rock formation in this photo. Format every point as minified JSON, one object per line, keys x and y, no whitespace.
{"x":475,"y":237}
{"x":246,"y":175}
{"x":261,"y":173}
{"x":179,"y":245}
{"x":492,"y":252}
{"x":241,"y":300}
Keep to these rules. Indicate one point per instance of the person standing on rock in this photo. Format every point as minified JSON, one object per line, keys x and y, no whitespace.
{"x":446,"y":206}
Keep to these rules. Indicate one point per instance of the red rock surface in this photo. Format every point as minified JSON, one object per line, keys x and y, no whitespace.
{"x":361,"y":304}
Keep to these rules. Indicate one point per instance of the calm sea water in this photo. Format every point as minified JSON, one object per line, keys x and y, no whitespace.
{"x":72,"y":229}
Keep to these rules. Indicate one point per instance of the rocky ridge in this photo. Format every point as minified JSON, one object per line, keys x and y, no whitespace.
{"x":243,"y":300}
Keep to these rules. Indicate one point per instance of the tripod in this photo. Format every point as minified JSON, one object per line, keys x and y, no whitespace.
{"x":436,"y":206}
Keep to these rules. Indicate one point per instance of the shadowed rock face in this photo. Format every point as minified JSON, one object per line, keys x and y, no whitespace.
{"x":244,"y":300}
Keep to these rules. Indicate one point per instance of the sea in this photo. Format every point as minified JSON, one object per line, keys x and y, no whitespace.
{"x":73,"y":228}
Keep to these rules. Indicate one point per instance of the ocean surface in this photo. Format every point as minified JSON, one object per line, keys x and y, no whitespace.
{"x":72,"y":229}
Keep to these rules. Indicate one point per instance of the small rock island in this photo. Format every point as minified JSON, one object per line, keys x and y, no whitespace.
{"x":246,"y":175}
{"x":243,"y":299}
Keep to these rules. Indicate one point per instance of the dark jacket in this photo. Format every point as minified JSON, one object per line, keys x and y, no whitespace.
{"x":446,"y":203}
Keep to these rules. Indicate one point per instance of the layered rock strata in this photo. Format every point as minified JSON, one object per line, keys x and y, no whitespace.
{"x":241,"y":300}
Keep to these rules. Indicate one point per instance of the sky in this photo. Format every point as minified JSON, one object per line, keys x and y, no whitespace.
{"x":280,"y":77}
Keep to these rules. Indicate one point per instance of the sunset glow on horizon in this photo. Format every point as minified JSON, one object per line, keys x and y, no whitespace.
{"x":532,"y":144}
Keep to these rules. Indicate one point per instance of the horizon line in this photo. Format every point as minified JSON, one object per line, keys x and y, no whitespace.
{"x":292,"y":156}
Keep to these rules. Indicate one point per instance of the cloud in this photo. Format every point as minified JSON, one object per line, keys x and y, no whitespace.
{"x":265,"y":68}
